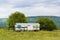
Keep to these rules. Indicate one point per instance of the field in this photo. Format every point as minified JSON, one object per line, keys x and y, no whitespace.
{"x":40,"y":35}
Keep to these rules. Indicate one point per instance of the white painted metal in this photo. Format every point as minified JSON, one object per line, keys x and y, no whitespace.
{"x":28,"y":26}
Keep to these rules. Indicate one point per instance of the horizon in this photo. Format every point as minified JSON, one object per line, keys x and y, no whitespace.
{"x":30,"y":7}
{"x":36,"y":16}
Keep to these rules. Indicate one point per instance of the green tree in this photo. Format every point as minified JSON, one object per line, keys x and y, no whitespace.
{"x":46,"y":24}
{"x":16,"y":17}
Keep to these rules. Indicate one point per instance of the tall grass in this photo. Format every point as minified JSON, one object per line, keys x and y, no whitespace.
{"x":40,"y":35}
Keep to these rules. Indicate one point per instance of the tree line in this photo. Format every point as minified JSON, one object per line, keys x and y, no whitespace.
{"x":18,"y":17}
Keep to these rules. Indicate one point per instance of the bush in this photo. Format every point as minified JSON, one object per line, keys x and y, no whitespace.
{"x":46,"y":24}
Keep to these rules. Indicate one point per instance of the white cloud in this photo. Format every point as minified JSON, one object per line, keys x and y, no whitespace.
{"x":36,"y":8}
{"x":42,"y":11}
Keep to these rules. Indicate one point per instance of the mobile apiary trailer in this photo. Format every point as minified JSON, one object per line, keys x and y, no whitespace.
{"x":27,"y":26}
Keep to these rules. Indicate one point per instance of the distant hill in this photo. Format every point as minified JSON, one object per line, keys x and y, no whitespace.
{"x":32,"y":19}
{"x":54,"y":18}
{"x":3,"y":22}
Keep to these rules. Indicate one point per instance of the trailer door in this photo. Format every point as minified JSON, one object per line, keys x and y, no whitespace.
{"x":30,"y":27}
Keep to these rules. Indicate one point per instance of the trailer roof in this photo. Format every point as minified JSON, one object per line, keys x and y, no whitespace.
{"x":27,"y":23}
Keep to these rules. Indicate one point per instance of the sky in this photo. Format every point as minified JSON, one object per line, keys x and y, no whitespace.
{"x":30,"y":7}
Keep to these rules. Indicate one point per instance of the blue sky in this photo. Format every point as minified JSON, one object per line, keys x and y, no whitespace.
{"x":30,"y":7}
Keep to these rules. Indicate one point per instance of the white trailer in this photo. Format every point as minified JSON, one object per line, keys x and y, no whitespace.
{"x":27,"y":26}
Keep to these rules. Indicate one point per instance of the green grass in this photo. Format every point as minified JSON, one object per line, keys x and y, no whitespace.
{"x":40,"y":35}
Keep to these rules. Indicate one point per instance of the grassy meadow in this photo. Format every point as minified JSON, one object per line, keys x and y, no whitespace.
{"x":40,"y":35}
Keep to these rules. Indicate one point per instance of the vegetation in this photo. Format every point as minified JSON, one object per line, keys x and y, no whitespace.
{"x":40,"y":35}
{"x":33,"y":19}
{"x":46,"y":24}
{"x":54,"y":18}
{"x":16,"y":17}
